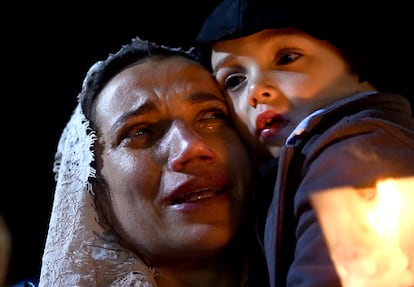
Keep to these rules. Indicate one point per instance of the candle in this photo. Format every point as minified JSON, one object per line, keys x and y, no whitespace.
{"x":370,"y":232}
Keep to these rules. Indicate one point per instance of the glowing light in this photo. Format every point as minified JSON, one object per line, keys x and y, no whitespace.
{"x":370,"y":232}
{"x":384,"y":218}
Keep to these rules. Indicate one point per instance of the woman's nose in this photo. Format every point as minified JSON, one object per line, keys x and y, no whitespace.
{"x":187,"y":149}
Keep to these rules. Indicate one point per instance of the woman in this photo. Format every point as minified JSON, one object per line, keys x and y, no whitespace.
{"x":152,"y":179}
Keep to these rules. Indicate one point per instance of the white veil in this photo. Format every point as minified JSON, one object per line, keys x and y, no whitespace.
{"x":79,"y":251}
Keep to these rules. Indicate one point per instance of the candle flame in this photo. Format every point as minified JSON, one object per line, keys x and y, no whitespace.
{"x":385,"y":216}
{"x":369,"y":232}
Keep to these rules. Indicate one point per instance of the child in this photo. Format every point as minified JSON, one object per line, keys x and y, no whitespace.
{"x":305,"y":95}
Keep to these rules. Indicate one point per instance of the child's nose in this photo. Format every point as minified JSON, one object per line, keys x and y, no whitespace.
{"x":261,"y":93}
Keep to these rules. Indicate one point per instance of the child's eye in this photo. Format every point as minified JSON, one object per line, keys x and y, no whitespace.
{"x":287,"y":58}
{"x":233,"y":80}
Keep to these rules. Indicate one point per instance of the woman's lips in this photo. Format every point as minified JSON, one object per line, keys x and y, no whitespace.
{"x":197,"y":188}
{"x":196,"y":195}
{"x":268,"y":124}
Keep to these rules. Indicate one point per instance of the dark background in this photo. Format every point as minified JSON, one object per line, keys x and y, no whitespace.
{"x":46,"y":51}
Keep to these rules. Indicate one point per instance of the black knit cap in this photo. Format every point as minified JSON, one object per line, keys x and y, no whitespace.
{"x":366,"y":34}
{"x":323,"y":20}
{"x":237,"y":18}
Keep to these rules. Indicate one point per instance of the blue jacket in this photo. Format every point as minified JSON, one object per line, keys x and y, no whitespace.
{"x":355,"y":142}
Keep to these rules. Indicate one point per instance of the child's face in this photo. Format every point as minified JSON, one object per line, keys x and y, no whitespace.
{"x":275,"y":78}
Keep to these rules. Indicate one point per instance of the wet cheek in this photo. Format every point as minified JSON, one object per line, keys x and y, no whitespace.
{"x":125,"y":172}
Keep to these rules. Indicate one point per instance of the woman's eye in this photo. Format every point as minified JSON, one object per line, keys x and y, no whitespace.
{"x":212,"y":120}
{"x":216,"y":114}
{"x":140,"y":136}
{"x":233,"y":80}
{"x":142,"y":131}
{"x":287,"y":58}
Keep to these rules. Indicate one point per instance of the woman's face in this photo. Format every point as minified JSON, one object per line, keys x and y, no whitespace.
{"x":177,"y":172}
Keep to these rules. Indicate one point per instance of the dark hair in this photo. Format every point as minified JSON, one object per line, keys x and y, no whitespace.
{"x":102,"y":71}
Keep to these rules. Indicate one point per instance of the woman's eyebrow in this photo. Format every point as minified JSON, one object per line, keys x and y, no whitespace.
{"x":201,"y":97}
{"x":146,"y":107}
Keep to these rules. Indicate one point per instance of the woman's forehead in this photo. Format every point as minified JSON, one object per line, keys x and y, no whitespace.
{"x":156,"y":86}
{"x":161,"y":78}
